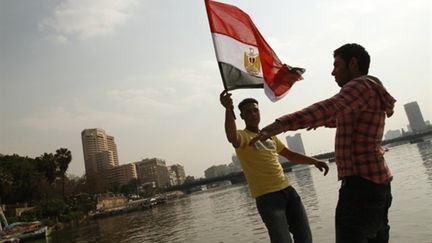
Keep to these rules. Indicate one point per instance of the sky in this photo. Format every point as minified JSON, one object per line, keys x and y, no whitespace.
{"x":146,"y":72}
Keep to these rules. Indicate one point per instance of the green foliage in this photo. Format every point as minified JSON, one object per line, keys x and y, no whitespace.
{"x":19,"y":178}
{"x":52,"y":208}
{"x":70,"y":216}
{"x":46,"y":164}
{"x":35,"y":181}
{"x":82,"y":203}
{"x":24,"y":179}
{"x":6,"y":181}
{"x":62,"y":158}
{"x":189,"y":179}
{"x":131,"y":187}
{"x":115,"y":187}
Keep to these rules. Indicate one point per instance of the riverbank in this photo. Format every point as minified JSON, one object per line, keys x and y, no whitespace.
{"x":136,"y":205}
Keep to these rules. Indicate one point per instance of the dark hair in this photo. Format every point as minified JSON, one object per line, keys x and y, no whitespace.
{"x":246,"y":101}
{"x":348,"y":51}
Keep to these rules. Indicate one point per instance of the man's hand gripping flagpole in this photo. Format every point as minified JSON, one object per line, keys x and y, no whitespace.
{"x":226,"y":101}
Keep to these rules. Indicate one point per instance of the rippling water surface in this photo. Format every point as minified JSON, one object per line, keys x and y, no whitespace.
{"x":229,"y":214}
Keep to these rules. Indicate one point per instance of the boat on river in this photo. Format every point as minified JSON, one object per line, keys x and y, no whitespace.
{"x":21,"y":231}
{"x":11,"y":240}
{"x":24,"y":231}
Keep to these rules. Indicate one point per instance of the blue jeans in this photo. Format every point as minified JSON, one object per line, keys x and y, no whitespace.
{"x":282,"y":212}
{"x":362,"y":211}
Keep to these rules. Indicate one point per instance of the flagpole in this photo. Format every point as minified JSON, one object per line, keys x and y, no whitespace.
{"x":216,"y":54}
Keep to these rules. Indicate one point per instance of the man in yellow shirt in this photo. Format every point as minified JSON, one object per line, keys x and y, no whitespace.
{"x":278,"y":203}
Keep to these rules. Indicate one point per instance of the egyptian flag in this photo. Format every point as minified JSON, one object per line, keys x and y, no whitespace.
{"x":244,"y":57}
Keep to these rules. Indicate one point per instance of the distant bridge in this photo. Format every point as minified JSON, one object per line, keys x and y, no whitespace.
{"x":236,"y":177}
{"x":410,"y":137}
{"x":239,"y":177}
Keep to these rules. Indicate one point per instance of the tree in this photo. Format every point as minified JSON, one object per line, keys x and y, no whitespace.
{"x":6,"y":182}
{"x":46,"y":164}
{"x":20,"y":180}
{"x":189,"y":179}
{"x":62,"y":158}
{"x":131,"y":187}
{"x":94,"y":183}
{"x":115,"y":187}
{"x":75,"y":184}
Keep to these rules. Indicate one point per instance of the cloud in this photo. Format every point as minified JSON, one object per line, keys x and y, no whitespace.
{"x":84,"y":19}
{"x":76,"y":117}
{"x":144,"y":102}
{"x":136,"y":107}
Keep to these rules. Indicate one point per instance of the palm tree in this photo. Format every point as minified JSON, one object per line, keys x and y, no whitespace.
{"x":46,"y":164}
{"x":63,"y":157}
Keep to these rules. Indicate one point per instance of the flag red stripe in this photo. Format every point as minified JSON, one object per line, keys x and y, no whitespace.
{"x":231,"y":21}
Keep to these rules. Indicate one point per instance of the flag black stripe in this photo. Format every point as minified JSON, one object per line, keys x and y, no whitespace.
{"x":237,"y":79}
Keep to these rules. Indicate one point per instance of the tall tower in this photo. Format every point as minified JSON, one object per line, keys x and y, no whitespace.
{"x":295,"y":143}
{"x":100,"y":150}
{"x":415,"y":116}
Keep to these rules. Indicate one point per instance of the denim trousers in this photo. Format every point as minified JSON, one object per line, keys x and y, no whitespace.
{"x":362,"y":211}
{"x":283,"y":213}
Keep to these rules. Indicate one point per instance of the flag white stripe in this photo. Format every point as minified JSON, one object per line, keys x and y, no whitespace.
{"x":231,"y":51}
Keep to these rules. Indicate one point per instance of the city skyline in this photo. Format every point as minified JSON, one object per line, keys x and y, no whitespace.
{"x":146,"y":72}
{"x":295,"y":142}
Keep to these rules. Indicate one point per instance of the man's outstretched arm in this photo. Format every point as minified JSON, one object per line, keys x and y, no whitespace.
{"x":271,"y":130}
{"x":352,"y":97}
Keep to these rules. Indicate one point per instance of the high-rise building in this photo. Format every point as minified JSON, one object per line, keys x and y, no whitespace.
{"x":295,"y":143}
{"x":178,"y":172}
{"x":153,"y":171}
{"x":415,"y":116}
{"x":100,"y":150}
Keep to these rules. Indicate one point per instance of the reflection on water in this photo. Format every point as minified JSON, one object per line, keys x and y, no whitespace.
{"x":230,"y":215}
{"x":305,"y":186}
{"x":425,"y":150}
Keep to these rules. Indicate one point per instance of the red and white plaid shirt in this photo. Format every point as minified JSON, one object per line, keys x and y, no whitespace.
{"x":358,"y":112}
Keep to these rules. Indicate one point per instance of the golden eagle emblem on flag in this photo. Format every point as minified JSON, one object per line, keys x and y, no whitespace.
{"x":252,"y":62}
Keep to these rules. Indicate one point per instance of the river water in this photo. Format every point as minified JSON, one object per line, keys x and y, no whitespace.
{"x":229,"y":214}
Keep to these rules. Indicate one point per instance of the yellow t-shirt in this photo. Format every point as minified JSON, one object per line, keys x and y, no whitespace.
{"x":260,"y":164}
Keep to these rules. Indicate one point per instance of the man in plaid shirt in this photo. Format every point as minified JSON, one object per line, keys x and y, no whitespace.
{"x":358,"y":112}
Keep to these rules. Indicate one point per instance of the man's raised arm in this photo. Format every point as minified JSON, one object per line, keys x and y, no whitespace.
{"x":230,"y":125}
